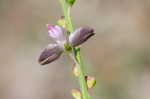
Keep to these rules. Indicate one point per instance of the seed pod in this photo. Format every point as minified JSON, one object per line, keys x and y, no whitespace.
{"x":56,"y":32}
{"x":61,"y":22}
{"x":49,"y":54}
{"x":76,"y":71}
{"x":80,"y":36}
{"x":76,"y":94}
{"x":91,"y":81}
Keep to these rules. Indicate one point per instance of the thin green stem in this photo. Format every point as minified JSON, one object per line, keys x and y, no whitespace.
{"x":66,"y":10}
{"x":83,"y":85}
{"x":75,"y":51}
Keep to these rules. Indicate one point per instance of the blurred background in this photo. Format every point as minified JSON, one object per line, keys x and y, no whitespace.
{"x":118,"y":55}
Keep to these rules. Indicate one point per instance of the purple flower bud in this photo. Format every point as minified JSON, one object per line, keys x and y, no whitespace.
{"x":56,"y":32}
{"x":80,"y":36}
{"x":50,"y":53}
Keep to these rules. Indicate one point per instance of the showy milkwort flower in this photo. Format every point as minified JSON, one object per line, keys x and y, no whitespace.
{"x":57,"y":33}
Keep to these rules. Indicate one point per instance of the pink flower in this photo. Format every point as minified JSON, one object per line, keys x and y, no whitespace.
{"x":56,"y":32}
{"x":54,"y":51}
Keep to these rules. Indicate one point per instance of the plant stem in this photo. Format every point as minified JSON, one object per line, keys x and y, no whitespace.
{"x":66,"y":10}
{"x":75,"y":51}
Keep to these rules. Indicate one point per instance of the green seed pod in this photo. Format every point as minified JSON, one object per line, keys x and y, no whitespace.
{"x":76,"y":94}
{"x":91,"y":81}
{"x":61,"y":22}
{"x":76,"y":71}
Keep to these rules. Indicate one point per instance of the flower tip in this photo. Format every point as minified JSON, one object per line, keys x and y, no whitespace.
{"x":42,"y":62}
{"x":89,"y":29}
{"x":49,"y":26}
